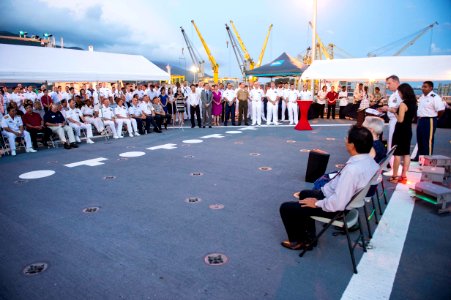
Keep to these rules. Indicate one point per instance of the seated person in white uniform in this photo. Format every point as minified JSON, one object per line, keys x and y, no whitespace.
{"x":76,"y":121}
{"x":122,"y":116}
{"x":13,"y":128}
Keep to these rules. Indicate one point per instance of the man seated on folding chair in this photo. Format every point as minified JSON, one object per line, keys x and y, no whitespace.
{"x":35,"y":125}
{"x":13,"y":128}
{"x":75,"y":119}
{"x":332,"y":197}
{"x":57,"y":123}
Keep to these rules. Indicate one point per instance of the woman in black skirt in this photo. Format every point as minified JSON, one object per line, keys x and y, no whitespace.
{"x":403,"y":131}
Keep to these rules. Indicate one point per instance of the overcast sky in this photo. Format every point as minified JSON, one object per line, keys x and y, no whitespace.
{"x":152,"y":28}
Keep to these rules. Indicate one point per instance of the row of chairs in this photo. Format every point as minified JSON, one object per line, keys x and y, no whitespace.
{"x":351,"y":216}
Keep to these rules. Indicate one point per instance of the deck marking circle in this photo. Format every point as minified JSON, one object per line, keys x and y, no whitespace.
{"x":330,"y":139}
{"x":254,"y":154}
{"x":216,"y":259}
{"x":109,"y":177}
{"x":91,"y":209}
{"x":291,"y":141}
{"x":265,"y":168}
{"x":194,"y":141}
{"x":193,"y":199}
{"x":196,"y":174}
{"x":132,"y":154}
{"x":233,"y":131}
{"x":188,"y":156}
{"x":37,"y":174}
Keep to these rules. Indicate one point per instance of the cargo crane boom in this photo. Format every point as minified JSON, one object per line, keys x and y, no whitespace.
{"x":323,"y":48}
{"x":197,"y":60}
{"x":265,"y":43}
{"x":214,"y":65}
{"x":247,"y":57}
{"x":411,"y":42}
{"x":239,"y":56}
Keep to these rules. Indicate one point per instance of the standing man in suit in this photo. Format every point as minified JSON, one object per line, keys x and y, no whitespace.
{"x":206,"y":98}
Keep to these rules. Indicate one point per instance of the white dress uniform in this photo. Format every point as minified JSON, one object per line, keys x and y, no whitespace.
{"x":88,"y":114}
{"x":107,"y":116}
{"x":31,"y":96}
{"x":307,"y":96}
{"x":256,"y":96}
{"x":16,"y":98}
{"x":293,"y":96}
{"x":14,"y":125}
{"x":146,"y":107}
{"x":393,"y":102}
{"x":271,"y":109}
{"x":284,"y":96}
{"x":343,"y":98}
{"x":321,"y":97}
{"x":75,"y":114}
{"x":122,"y":112}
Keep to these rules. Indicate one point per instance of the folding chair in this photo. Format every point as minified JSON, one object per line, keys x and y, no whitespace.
{"x":346,"y":219}
{"x":383,"y":166}
{"x":5,"y":143}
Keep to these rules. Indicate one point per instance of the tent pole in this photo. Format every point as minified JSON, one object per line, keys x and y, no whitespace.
{"x":313,"y":41}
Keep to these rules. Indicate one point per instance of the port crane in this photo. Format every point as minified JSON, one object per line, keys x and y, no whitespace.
{"x":214,"y":64}
{"x":195,"y":56}
{"x":412,"y":41}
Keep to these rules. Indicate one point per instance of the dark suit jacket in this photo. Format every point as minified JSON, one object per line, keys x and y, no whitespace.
{"x":206,"y":98}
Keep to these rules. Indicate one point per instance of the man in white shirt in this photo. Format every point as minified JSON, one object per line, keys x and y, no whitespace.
{"x":430,"y":107}
{"x":256,"y":96}
{"x":321,"y":99}
{"x":13,"y":128}
{"x":229,"y":97}
{"x":392,"y":106}
{"x":107,"y":116}
{"x":332,"y":197}
{"x":14,"y":96}
{"x":342,"y":102}
{"x":271,"y":109}
{"x":30,"y":94}
{"x":75,"y":119}
{"x":193,"y":102}
{"x":292,"y":96}
{"x":282,"y":105}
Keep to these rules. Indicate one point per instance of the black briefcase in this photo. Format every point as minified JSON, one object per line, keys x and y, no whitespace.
{"x":316,"y":165}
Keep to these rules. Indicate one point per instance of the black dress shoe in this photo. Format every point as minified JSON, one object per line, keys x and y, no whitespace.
{"x":192,"y":126}
{"x":66,"y":146}
{"x":73,"y":145}
{"x":203,"y":126}
{"x":209,"y":126}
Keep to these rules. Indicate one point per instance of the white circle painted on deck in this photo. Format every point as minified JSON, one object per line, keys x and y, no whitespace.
{"x":195,"y":141}
{"x":37,"y":174}
{"x":132,"y":154}
{"x":234,"y":131}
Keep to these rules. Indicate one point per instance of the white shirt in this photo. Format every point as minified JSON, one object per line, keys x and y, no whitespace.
{"x":292,"y":95}
{"x":193,"y":98}
{"x":135,"y":110}
{"x":393,"y":102}
{"x":321,"y":97}
{"x":16,"y":98}
{"x":146,"y":107}
{"x":30,"y":95}
{"x":343,"y":98}
{"x":87,"y":111}
{"x":430,"y":105}
{"x":13,"y":124}
{"x":229,"y":95}
{"x":256,"y":94}
{"x":281,"y":93}
{"x":306,"y":95}
{"x":121,"y":111}
{"x":356,"y":174}
{"x":73,"y":114}
{"x":106,"y":112}
{"x":272,"y":94}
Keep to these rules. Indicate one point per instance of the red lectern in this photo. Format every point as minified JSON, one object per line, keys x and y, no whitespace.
{"x":303,"y":123}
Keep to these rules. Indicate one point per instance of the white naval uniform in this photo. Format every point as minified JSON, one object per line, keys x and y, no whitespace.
{"x":256,"y":96}
{"x":271,"y":109}
{"x":320,"y":99}
{"x":343,"y":98}
{"x":307,"y":96}
{"x":107,"y":116}
{"x":75,"y":115}
{"x":31,"y":96}
{"x":393,"y":102}
{"x":121,"y":111}
{"x":293,"y":96}
{"x":88,"y":114}
{"x":14,"y":125}
{"x":284,"y":96}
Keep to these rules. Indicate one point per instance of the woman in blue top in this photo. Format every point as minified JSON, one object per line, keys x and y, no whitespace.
{"x":164,"y":98}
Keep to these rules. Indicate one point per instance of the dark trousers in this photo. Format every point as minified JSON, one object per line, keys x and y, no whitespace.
{"x":331,"y":108}
{"x":341,"y":112}
{"x":230,"y":110}
{"x":139,"y":124}
{"x":159,"y":119}
{"x":195,"y":110}
{"x":321,"y":108}
{"x":425,"y":135}
{"x":149,"y":121}
{"x":34,"y":134}
{"x":296,"y":219}
{"x":242,"y":110}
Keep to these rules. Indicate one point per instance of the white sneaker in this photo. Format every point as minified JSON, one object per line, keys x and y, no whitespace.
{"x":137,"y":134}
{"x":115,"y":137}
{"x":253,"y":124}
{"x":89,"y":141}
{"x":276,"y":123}
{"x":121,"y":136}
{"x":77,"y":139}
{"x":130,"y":135}
{"x":13,"y":153}
{"x":30,"y":150}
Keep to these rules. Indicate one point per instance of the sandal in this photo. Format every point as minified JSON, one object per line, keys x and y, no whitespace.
{"x":394,"y":179}
{"x":402,"y":179}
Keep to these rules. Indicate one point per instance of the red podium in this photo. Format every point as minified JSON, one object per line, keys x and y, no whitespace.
{"x":303,"y":123}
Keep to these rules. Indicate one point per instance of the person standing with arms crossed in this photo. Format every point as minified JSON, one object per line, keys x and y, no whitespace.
{"x":332,"y":97}
{"x":273,"y":100}
{"x":243,"y":96}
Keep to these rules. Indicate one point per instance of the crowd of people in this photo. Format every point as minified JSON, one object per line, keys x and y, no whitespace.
{"x":107,"y":110}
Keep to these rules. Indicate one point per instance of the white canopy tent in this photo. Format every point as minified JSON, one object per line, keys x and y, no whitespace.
{"x":407,"y":68}
{"x":40,"y":64}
